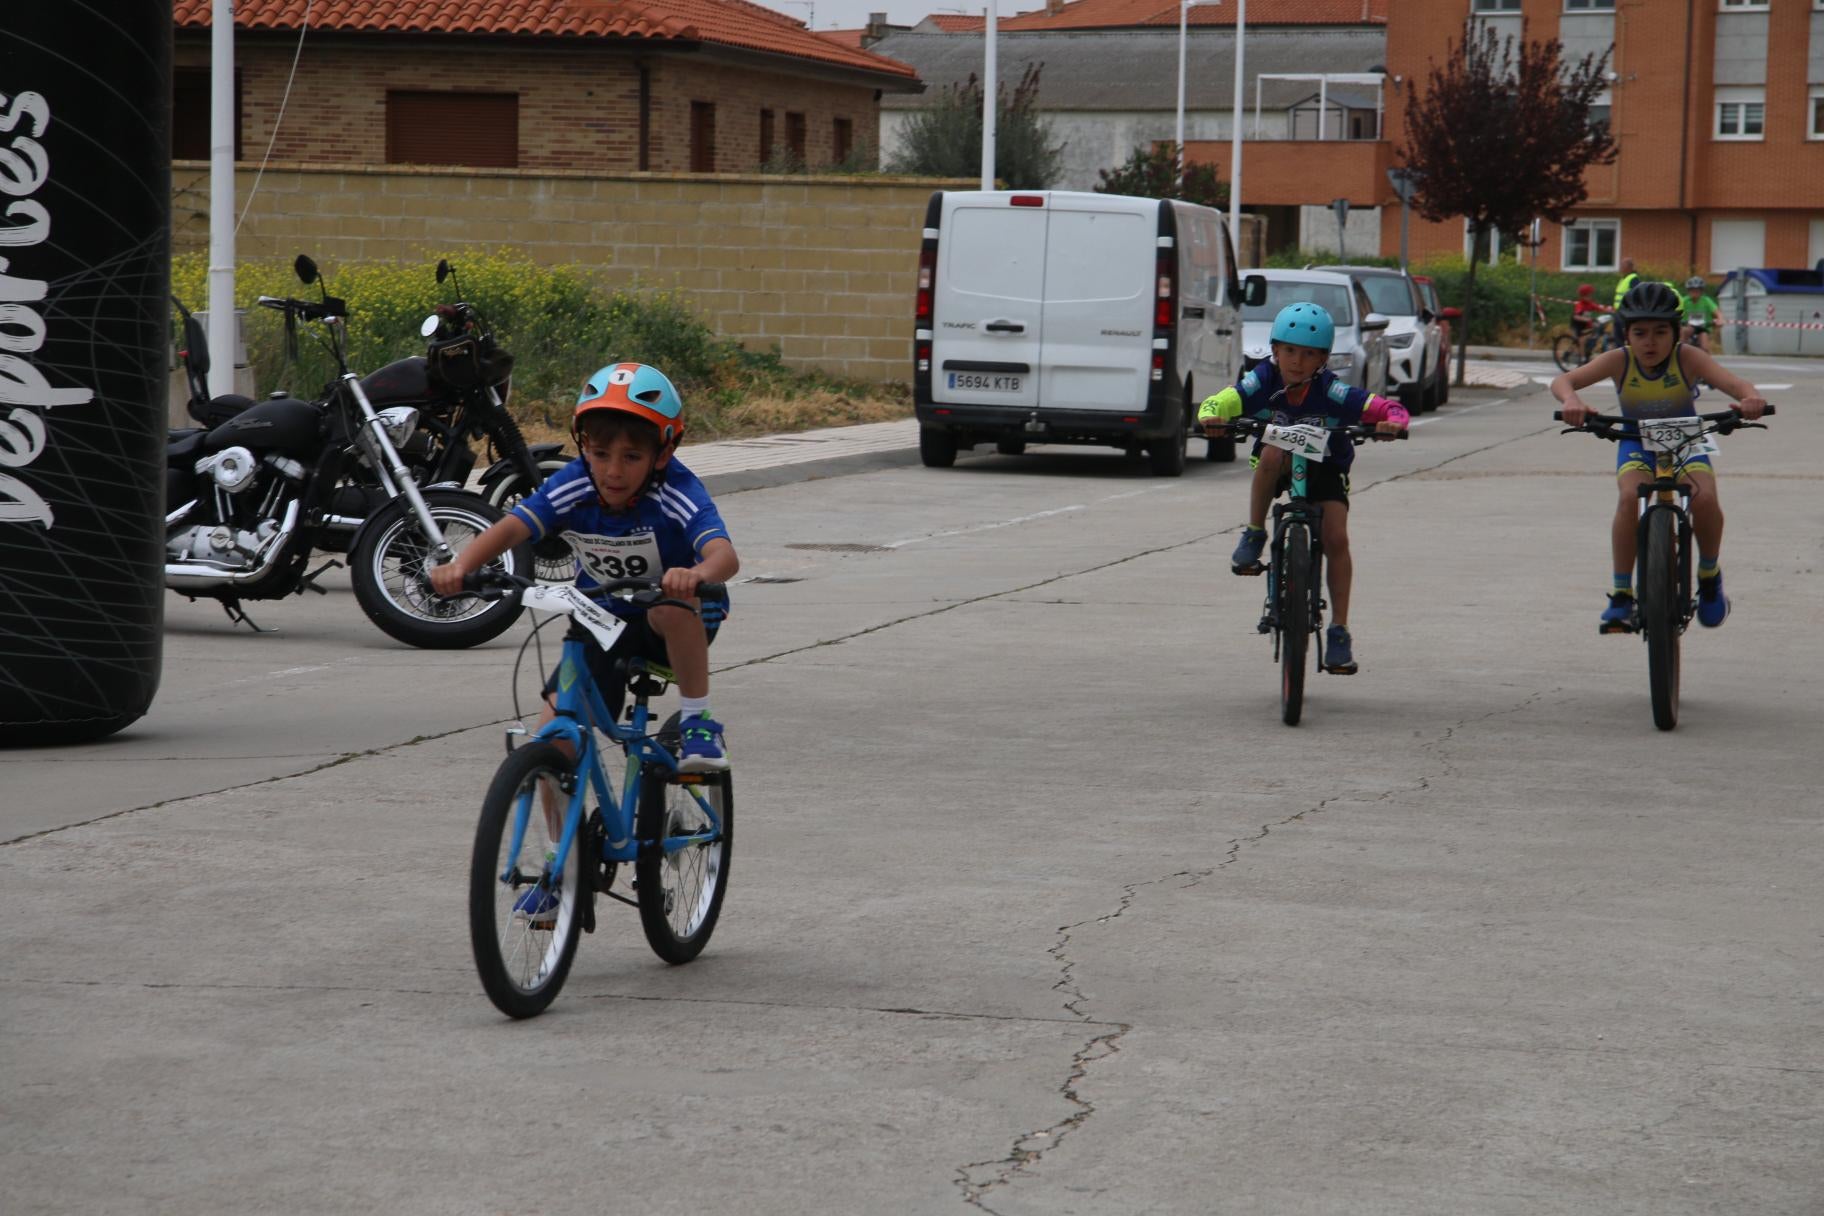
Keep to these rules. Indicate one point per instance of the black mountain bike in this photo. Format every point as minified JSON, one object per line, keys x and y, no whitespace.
{"x":1294,"y":609}
{"x":1665,"y":602}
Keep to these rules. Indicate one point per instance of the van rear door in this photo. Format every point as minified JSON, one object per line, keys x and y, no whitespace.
{"x":987,"y":312}
{"x":1099,"y":292}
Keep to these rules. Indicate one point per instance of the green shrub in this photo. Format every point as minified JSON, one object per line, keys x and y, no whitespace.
{"x":559,"y":325}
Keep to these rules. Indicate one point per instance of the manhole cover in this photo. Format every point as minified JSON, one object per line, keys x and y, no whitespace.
{"x":842,"y":548}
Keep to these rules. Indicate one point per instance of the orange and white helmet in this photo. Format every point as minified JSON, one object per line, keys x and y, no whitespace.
{"x":638,"y":389}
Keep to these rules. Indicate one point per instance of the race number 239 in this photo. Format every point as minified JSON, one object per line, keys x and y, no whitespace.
{"x":610,"y":557}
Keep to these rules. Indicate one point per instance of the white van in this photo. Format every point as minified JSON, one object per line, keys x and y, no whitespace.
{"x":1060,"y":317}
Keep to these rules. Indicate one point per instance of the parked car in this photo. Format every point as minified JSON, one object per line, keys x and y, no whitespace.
{"x":1446,"y":315}
{"x":1414,"y":338}
{"x":1359,"y":355}
{"x":1054,"y":316}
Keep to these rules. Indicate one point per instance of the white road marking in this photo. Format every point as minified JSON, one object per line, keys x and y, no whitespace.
{"x":1005,"y":523}
{"x":1456,"y":413}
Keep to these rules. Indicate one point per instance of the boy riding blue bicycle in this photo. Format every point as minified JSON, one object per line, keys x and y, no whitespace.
{"x":1298,"y":386}
{"x":629,"y":509}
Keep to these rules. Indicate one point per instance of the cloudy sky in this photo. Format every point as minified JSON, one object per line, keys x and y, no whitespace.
{"x":850,"y":14}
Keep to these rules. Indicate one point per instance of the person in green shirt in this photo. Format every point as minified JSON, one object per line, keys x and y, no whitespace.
{"x":1700,"y":313}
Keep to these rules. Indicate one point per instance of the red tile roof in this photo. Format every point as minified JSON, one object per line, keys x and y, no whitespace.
{"x":848,"y":38}
{"x":1103,"y":14}
{"x":735,"y":23}
{"x":957,"y":23}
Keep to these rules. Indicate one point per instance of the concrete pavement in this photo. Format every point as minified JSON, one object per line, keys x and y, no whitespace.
{"x":1036,"y":907}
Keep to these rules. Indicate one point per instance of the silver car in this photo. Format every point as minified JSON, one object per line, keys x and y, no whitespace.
{"x":1359,"y":355}
{"x":1414,"y":337}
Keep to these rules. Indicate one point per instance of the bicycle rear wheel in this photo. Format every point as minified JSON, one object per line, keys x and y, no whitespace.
{"x":680,"y":885}
{"x":1565,"y":353}
{"x":1294,"y":621}
{"x":524,"y":926}
{"x":1660,"y":617}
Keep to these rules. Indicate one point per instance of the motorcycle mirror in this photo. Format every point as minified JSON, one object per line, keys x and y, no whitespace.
{"x":429,"y":328}
{"x":307,"y":269}
{"x":443,"y":272}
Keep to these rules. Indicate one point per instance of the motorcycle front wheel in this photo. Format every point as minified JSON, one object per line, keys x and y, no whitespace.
{"x":391,"y":575}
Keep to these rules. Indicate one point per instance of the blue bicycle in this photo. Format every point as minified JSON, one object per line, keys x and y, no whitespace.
{"x":553,"y":833}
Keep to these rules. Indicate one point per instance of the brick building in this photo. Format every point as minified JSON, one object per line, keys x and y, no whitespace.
{"x":663,"y":85}
{"x":1717,"y":107}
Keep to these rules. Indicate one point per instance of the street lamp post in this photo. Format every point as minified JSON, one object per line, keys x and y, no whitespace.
{"x":1184,"y":8}
{"x":1241,"y":29}
{"x":991,"y":95}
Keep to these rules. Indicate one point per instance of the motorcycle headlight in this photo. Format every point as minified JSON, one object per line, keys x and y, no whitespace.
{"x":1400,"y":341}
{"x":398,"y":422}
{"x":1342,"y":362}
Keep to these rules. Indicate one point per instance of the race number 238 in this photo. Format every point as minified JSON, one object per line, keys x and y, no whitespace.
{"x":611,"y":557}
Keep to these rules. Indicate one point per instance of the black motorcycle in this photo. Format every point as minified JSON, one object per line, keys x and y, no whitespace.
{"x":249,"y":494}
{"x":459,"y":388}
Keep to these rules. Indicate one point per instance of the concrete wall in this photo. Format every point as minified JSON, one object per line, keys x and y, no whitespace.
{"x":823,"y":267}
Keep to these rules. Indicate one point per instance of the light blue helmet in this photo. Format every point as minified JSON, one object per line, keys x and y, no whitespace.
{"x":1305,"y":325}
{"x":641,"y":390}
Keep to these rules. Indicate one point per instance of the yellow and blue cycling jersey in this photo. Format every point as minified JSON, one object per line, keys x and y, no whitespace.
{"x":1670,"y":394}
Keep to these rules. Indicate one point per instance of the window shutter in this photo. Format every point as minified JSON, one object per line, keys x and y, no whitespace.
{"x":479,"y":129}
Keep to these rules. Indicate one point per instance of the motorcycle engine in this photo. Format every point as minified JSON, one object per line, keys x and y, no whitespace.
{"x":219,"y":545}
{"x":232,"y":468}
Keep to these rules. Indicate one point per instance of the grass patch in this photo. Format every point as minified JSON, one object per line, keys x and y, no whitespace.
{"x":560,"y":325}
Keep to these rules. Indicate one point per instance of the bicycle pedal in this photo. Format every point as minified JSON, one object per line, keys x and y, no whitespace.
{"x":1617,"y":627}
{"x":1248,"y":571}
{"x":1343,"y":671}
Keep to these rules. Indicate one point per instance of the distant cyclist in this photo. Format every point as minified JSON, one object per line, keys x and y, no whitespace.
{"x":1700,"y":313}
{"x":1584,"y":314}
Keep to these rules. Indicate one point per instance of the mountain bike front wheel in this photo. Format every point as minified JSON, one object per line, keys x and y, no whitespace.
{"x":680,"y":880}
{"x":1660,"y":618}
{"x":1566,"y":353}
{"x":1294,"y":621}
{"x":524,"y":916}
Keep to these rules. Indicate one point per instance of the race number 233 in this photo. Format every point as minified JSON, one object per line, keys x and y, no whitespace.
{"x":611,"y":557}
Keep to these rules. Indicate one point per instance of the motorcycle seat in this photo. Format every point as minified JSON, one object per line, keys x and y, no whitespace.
{"x":183,"y":447}
{"x":218,"y":409}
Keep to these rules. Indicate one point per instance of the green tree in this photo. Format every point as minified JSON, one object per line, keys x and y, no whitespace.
{"x":945,"y":138}
{"x":1157,"y":171}
{"x":1502,"y":133}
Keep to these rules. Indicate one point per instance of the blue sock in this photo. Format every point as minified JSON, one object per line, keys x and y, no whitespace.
{"x":1624,"y":583}
{"x":1708,"y":567}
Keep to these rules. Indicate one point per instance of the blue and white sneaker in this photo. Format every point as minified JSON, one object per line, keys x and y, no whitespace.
{"x":538,"y":905}
{"x":1339,"y":653}
{"x":1712,"y":604}
{"x":1246,"y":558}
{"x":701,"y":747}
{"x":1618,"y":617}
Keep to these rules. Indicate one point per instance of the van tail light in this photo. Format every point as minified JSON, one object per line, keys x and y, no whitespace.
{"x":1167,"y":272}
{"x":1027,"y":200}
{"x":1158,"y":365}
{"x":921,"y":353}
{"x":927,"y":272}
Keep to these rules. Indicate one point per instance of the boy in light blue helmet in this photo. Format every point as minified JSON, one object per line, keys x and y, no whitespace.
{"x":1297,"y":386}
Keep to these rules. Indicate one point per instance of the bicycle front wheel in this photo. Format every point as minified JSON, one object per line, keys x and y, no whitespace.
{"x":681,"y":873}
{"x":1294,"y":622}
{"x":525,"y":916}
{"x":1660,"y":618}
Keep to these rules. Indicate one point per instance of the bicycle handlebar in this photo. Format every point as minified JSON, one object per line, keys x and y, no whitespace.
{"x":1357,"y":434}
{"x":1615,"y":420}
{"x":493,"y":584}
{"x":1609,"y":426}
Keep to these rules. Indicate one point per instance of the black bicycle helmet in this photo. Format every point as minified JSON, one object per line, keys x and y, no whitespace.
{"x":1650,"y":301}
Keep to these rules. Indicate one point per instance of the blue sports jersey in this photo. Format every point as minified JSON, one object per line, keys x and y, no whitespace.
{"x":1328,"y":400}
{"x":666,"y":526}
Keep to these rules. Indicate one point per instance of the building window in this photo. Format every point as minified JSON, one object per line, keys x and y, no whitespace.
{"x":794,"y":136}
{"x":479,"y":129}
{"x":702,"y":137}
{"x":842,"y":139}
{"x":1496,"y":6}
{"x":1747,"y":6}
{"x":1589,"y":6}
{"x":766,"y":136}
{"x":1741,"y":114}
{"x":190,"y":92}
{"x":1737,"y":243}
{"x":1591,"y":245}
{"x":1816,"y":129}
